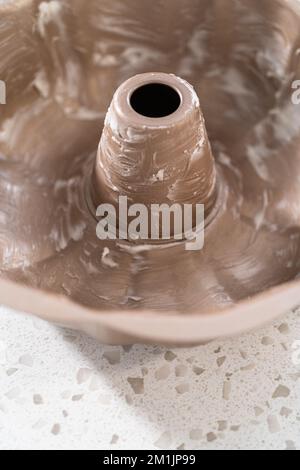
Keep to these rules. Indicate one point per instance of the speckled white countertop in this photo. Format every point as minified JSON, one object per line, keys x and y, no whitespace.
{"x":62,"y":390}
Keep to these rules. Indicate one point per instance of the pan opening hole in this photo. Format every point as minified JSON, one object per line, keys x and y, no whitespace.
{"x":155,"y":100}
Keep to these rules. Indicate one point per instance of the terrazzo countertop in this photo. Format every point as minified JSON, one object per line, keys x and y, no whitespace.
{"x":62,"y":390}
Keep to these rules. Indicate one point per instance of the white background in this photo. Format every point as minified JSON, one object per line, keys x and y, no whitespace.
{"x":62,"y":390}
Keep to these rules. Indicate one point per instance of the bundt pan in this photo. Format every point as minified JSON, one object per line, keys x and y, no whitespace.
{"x":200,"y":99}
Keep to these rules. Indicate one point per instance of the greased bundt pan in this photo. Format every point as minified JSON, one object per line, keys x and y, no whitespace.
{"x":237,"y":151}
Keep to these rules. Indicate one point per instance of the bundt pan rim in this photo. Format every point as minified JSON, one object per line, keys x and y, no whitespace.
{"x":149,"y":327}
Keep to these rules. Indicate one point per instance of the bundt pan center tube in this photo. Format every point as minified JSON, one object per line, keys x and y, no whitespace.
{"x":115,"y":112}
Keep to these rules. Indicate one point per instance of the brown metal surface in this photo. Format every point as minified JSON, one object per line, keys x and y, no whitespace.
{"x":62,"y":62}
